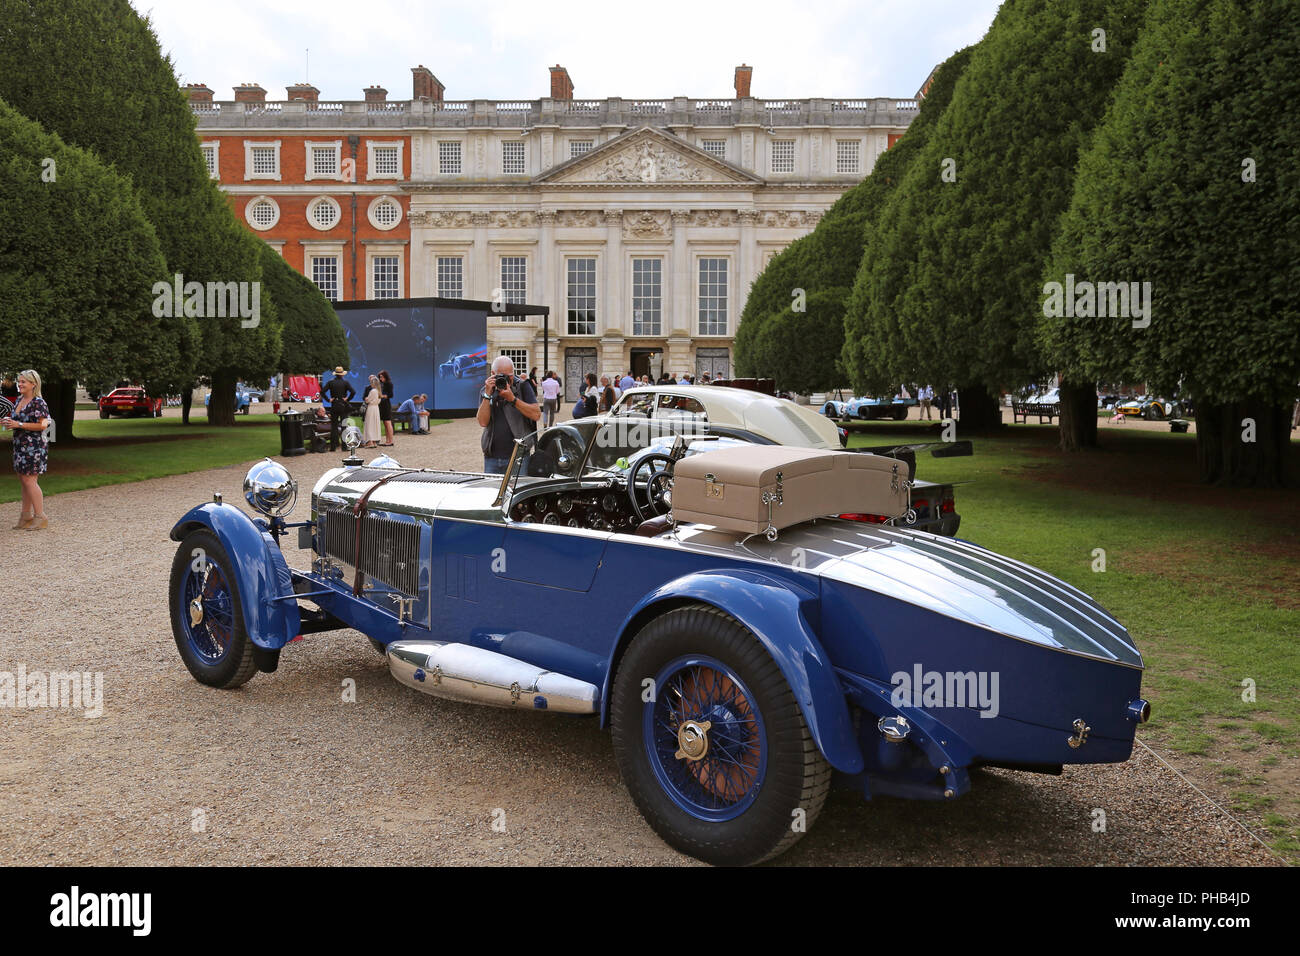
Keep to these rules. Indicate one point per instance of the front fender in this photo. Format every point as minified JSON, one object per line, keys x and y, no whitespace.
{"x":773,"y":610}
{"x":261,"y":572}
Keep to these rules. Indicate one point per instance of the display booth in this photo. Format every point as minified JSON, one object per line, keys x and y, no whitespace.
{"x":436,"y":347}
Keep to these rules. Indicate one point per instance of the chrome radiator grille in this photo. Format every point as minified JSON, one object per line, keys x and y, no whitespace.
{"x":390,"y":549}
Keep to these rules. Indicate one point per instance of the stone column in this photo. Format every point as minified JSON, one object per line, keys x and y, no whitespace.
{"x":747,"y":267}
{"x":478,"y":282}
{"x":542,"y":288}
{"x":614,"y":306}
{"x":683,"y":281}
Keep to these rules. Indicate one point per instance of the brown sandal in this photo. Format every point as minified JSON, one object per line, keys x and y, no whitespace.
{"x":23,"y":521}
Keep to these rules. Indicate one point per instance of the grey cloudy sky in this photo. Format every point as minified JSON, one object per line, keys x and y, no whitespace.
{"x":500,"y":49}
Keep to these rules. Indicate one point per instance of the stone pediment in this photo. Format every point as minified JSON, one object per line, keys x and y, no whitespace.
{"x":646,"y":157}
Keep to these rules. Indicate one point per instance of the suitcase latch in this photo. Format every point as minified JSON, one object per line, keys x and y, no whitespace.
{"x":714,"y":488}
{"x":774,"y":497}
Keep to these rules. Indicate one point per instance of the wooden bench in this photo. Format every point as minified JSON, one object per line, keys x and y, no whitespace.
{"x":1020,"y":412}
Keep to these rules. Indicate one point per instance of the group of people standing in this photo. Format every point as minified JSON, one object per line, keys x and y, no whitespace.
{"x":377,"y":409}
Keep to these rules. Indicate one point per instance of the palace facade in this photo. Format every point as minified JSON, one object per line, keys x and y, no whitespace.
{"x":640,"y":223}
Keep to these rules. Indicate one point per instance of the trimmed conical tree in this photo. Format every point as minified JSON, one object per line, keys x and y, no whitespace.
{"x":92,"y":72}
{"x":78,"y":258}
{"x":953,"y":269}
{"x":870,"y":346}
{"x":792,"y":327}
{"x":312,"y":336}
{"x":1192,"y":184}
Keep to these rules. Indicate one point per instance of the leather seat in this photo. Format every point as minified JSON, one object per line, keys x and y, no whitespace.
{"x":653,"y":527}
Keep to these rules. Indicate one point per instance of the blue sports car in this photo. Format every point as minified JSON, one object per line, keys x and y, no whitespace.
{"x":740,"y":673}
{"x":458,"y":366}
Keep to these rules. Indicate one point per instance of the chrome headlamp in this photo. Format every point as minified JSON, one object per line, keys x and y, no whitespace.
{"x":269,"y":489}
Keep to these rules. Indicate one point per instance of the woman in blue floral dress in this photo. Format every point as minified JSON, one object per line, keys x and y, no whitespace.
{"x":28,"y":420}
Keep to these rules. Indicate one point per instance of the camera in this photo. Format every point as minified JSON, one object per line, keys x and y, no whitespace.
{"x":502,"y":381}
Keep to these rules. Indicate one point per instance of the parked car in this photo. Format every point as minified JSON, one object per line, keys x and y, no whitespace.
{"x":763,"y":419}
{"x":868,"y":409}
{"x":460,"y":365}
{"x":129,"y":402}
{"x":301,"y":388}
{"x":738,"y":673}
{"x":243,"y":398}
{"x":1150,"y":407}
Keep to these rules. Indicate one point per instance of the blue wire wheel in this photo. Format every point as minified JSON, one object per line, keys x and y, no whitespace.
{"x":207,"y":613}
{"x":705,"y":738}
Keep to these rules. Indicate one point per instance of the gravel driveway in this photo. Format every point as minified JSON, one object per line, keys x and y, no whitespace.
{"x":284,"y":771}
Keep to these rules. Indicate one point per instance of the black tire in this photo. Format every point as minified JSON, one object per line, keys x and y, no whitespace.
{"x":900,"y":414}
{"x":1154,"y":413}
{"x":238,"y":665}
{"x":797,"y":776}
{"x":103,"y":414}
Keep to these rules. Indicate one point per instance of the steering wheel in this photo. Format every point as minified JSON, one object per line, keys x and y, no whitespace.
{"x":564,"y":444}
{"x":657,"y":487}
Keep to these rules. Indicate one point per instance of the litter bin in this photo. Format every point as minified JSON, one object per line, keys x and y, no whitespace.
{"x":291,"y":434}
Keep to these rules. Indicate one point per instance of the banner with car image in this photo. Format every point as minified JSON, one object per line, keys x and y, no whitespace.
{"x":436,"y":347}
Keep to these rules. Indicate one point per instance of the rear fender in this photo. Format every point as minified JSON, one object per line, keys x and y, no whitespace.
{"x":773,"y":610}
{"x":260,"y":571}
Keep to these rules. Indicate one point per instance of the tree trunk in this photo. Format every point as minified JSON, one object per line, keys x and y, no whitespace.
{"x":1243,"y":444}
{"x":187,"y":399}
{"x":978,"y":409}
{"x":61,"y":397}
{"x":1078,"y":416}
{"x":221,"y":406}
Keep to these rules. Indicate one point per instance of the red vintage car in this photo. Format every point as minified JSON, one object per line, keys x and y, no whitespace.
{"x":129,"y":401}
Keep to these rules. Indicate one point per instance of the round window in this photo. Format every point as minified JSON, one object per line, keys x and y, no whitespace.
{"x":323,"y":213}
{"x":262,"y":213}
{"x":385,"y":213}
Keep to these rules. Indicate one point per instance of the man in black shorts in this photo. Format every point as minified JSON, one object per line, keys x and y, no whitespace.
{"x":340,"y":393}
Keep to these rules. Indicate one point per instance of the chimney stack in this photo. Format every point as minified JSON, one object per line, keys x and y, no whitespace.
{"x":250,"y":93}
{"x":198,"y":92}
{"x":303,"y":91}
{"x":375,"y":94}
{"x":743,"y":75}
{"x":561,"y":84}
{"x":424,"y":85}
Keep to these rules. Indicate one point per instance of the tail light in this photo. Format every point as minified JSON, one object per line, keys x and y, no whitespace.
{"x":922,"y":507}
{"x":870,"y":519}
{"x":947,"y":506}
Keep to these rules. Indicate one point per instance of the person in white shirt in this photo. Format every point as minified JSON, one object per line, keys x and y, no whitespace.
{"x":925,"y":394}
{"x":550,"y":399}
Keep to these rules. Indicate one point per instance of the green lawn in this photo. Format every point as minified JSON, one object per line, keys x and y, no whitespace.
{"x":117,"y":450}
{"x":1207,"y":580}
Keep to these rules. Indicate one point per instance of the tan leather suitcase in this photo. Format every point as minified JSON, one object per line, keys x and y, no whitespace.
{"x":764,"y":488}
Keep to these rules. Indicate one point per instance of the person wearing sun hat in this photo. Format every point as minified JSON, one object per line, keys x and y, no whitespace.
{"x":339,"y":392}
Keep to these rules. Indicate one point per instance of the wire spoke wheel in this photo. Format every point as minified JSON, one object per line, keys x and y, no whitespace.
{"x":705,"y":738}
{"x":207,"y":613}
{"x":710,"y":741}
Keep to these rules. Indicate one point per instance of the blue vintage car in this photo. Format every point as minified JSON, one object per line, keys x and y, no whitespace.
{"x":740,"y":674}
{"x":243,"y":398}
{"x":867,"y":408}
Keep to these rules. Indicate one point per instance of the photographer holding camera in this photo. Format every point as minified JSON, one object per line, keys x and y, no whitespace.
{"x":507,"y":411}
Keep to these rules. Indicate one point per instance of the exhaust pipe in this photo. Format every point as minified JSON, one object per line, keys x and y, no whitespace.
{"x":462,"y":672}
